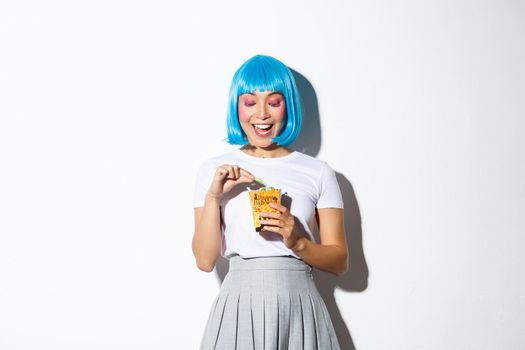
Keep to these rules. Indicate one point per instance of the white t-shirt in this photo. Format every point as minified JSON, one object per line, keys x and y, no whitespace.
{"x":305,"y":183}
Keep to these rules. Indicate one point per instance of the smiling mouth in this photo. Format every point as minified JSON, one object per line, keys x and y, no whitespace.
{"x":262,"y":130}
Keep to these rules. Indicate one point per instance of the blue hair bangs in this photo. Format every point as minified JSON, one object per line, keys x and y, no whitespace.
{"x":264,"y":73}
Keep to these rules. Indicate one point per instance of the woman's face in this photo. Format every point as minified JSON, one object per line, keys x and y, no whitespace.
{"x":261,"y":115}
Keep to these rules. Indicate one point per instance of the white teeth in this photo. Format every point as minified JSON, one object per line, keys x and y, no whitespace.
{"x":263,"y":126}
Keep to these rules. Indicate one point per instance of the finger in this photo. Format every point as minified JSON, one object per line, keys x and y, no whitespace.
{"x":227,"y":171}
{"x":236,"y":171}
{"x":244,"y":178}
{"x":279,"y":207}
{"x":269,"y":214}
{"x":247,"y":173}
{"x":272,"y":222}
{"x":231,"y":172}
{"x":275,"y":229}
{"x":223,"y":172}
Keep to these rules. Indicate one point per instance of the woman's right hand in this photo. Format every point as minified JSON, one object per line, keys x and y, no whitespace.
{"x":226,"y":177}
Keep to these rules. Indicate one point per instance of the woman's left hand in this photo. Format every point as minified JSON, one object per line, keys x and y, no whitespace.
{"x":282,"y":223}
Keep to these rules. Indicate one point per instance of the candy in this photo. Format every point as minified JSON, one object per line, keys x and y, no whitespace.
{"x":260,"y":200}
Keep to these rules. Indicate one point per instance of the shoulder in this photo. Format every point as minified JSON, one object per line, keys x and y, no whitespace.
{"x":320,"y":170}
{"x":309,"y":161}
{"x":211,"y":163}
{"x":220,"y":158}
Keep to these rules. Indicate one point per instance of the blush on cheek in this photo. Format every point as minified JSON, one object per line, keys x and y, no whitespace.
{"x":279,"y":115}
{"x":243,"y":115}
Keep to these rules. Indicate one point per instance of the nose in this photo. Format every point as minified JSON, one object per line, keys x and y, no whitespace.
{"x":263,"y":112}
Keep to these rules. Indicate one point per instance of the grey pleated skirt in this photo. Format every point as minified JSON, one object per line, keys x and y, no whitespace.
{"x":269,"y":303}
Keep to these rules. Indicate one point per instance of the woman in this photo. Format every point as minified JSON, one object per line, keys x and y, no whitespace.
{"x":268,"y":299}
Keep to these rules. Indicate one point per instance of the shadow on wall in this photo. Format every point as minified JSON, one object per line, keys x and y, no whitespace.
{"x":356,"y":279}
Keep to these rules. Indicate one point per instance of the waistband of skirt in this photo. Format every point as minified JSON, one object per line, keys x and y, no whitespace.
{"x":289,"y":263}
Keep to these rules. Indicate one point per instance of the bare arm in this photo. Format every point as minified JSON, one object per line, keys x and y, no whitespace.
{"x":332,"y":254}
{"x":206,"y":242}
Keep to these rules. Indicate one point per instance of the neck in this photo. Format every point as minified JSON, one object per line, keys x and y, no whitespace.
{"x":273,"y":151}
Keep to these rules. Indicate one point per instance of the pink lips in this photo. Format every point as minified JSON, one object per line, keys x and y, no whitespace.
{"x":262,"y":133}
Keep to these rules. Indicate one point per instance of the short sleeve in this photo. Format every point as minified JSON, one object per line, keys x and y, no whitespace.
{"x":202,"y":183}
{"x":330,"y":193}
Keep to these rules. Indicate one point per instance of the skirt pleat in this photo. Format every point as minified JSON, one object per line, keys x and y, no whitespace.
{"x":229,"y":321}
{"x":245,"y":324}
{"x":296,"y":323}
{"x":284,"y":321}
{"x":258,"y":318}
{"x":269,"y":303}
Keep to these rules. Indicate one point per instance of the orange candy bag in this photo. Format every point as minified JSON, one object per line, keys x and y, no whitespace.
{"x":260,"y":200}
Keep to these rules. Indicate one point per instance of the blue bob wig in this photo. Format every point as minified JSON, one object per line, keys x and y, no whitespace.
{"x":264,"y":73}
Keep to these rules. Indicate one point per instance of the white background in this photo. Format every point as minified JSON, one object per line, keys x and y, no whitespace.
{"x":108,"y":107}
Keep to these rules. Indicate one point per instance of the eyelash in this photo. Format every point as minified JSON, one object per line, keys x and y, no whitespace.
{"x":253,"y":104}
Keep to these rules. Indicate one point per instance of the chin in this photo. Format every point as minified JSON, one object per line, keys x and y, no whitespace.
{"x":262,"y":143}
